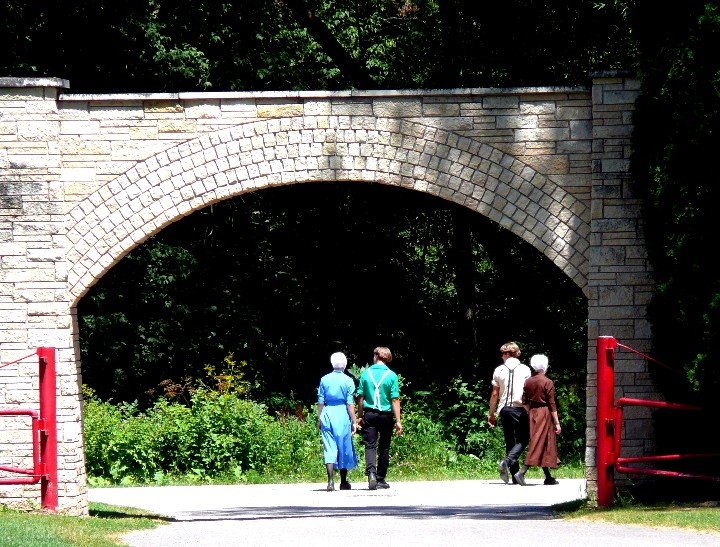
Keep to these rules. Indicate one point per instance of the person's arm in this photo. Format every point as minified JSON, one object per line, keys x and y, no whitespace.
{"x":494,"y":396}
{"x":396,"y":412}
{"x":351,"y":413}
{"x":552,"y":402}
{"x":556,"y":422}
{"x":320,"y":407}
{"x":361,"y":410}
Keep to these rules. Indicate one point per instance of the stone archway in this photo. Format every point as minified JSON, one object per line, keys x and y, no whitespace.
{"x":85,"y":179}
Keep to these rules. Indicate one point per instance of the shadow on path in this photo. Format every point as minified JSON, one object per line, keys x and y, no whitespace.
{"x":405,"y":512}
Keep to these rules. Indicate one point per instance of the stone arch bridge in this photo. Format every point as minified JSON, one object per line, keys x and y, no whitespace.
{"x":86,"y":178}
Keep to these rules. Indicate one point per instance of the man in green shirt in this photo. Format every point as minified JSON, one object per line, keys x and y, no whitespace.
{"x":378,"y":412}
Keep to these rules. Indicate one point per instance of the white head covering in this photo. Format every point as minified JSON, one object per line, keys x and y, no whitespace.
{"x":338,"y":360}
{"x":512,"y":362}
{"x":539,"y":362}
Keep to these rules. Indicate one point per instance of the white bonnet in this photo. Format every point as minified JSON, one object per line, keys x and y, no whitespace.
{"x":338,"y":360}
{"x":539,"y":362}
{"x":512,"y":362}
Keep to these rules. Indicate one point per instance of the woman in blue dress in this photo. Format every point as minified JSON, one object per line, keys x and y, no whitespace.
{"x":336,"y":421}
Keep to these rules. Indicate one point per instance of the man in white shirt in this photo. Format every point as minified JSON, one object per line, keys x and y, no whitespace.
{"x":506,"y":400}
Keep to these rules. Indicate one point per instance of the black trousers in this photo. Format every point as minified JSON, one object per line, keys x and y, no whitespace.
{"x":516,"y":430}
{"x":377,"y":433}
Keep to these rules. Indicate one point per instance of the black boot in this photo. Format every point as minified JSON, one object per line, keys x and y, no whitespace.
{"x":344,"y":484}
{"x":331,"y":482}
{"x":549,"y":479}
{"x":372,"y":481}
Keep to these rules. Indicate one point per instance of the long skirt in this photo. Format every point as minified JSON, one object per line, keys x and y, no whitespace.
{"x":336,"y":434}
{"x":542,"y":449}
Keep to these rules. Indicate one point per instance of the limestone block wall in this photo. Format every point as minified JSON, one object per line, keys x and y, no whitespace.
{"x":86,"y":178}
{"x":35,"y":308}
{"x":620,"y":282}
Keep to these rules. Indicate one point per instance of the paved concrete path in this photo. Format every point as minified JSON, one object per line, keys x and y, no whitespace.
{"x":409,"y":513}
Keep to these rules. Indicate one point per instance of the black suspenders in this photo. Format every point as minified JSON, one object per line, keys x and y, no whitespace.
{"x":510,"y":386}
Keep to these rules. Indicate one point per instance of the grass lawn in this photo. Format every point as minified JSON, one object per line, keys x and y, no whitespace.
{"x":102,"y":529}
{"x":701,"y":516}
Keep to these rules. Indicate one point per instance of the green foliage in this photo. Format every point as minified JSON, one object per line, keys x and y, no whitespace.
{"x":677,"y":120}
{"x":294,"y":448}
{"x":224,"y":438}
{"x":466,"y":413}
{"x":230,"y":377}
{"x":218,"y":434}
{"x":570,"y":398}
{"x":230,"y":432}
{"x":421,"y":447}
{"x":135,"y":449}
{"x":101,"y":420}
{"x":174,"y":45}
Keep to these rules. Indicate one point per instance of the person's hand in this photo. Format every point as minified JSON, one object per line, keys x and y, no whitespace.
{"x":558,"y":429}
{"x":398,"y":428}
{"x":353,"y":427}
{"x":491,"y":419}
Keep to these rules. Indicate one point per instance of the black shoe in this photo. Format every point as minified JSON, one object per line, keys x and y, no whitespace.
{"x":331,"y":485}
{"x":382,"y":484}
{"x":372,"y":481}
{"x":503,"y":469}
{"x":520,"y":478}
{"x":551,"y":481}
{"x":345,"y":485}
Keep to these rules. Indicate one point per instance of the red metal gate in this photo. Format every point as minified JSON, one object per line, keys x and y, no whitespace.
{"x":44,"y":434}
{"x":609,"y":428}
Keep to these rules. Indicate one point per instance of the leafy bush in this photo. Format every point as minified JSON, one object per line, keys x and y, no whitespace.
{"x":229,"y":432}
{"x":101,"y":421}
{"x":221,"y":437}
{"x":294,"y":448}
{"x":218,"y":434}
{"x":571,"y":411}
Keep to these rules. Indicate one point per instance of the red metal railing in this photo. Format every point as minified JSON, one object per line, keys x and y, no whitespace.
{"x":37,"y":470}
{"x":44,"y":434}
{"x":609,"y":429}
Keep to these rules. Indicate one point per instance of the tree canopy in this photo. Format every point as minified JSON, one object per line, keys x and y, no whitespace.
{"x":168,"y":45}
{"x":171,"y":45}
{"x":676,"y":136}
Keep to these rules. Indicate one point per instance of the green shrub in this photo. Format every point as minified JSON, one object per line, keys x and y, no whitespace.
{"x":221,"y":437}
{"x":294,"y":448}
{"x":101,"y":420}
{"x":218,"y":434}
{"x":134,"y":450}
{"x":229,"y":432}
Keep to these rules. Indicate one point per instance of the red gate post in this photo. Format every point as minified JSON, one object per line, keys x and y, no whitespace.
{"x":48,"y":429}
{"x":605,"y":457}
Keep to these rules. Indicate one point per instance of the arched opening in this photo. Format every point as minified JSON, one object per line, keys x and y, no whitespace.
{"x":281,"y":277}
